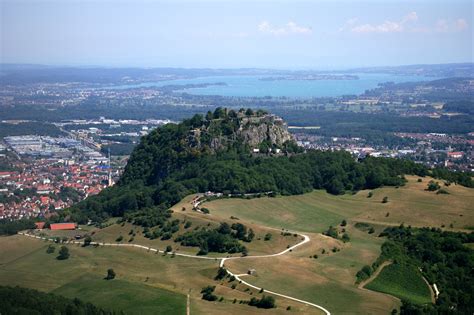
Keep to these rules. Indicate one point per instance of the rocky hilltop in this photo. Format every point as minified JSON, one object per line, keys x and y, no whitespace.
{"x":223,"y":128}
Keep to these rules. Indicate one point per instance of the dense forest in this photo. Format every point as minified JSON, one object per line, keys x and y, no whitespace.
{"x":165,"y":167}
{"x":27,"y":301}
{"x":442,"y":257}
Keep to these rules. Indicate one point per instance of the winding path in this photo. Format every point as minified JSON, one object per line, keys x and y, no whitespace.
{"x":305,"y":240}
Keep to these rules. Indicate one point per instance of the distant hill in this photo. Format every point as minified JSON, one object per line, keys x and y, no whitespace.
{"x":231,"y":152}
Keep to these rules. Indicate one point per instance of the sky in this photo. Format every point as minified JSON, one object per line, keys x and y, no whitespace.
{"x":324,"y":34}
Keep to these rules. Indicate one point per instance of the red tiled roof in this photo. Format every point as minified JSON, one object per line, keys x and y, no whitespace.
{"x":40,"y":225}
{"x":63,"y":226}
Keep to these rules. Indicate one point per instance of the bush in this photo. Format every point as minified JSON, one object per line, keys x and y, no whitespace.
{"x":433,"y":186}
{"x":344,"y":223}
{"x":385,"y":199}
{"x":205,"y":210}
{"x":50,"y":249}
{"x":265,"y":302}
{"x":168,"y":249}
{"x":345,"y":238}
{"x":87,"y":240}
{"x":63,"y":253}
{"x":267,"y":237}
{"x":370,"y":194}
{"x":207,"y":293}
{"x":119,"y":239}
{"x":110,"y":274}
{"x":221,"y":273}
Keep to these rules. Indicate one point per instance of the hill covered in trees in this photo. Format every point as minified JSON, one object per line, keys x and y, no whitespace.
{"x":217,"y":152}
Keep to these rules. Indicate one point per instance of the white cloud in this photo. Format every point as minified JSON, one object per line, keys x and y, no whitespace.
{"x":289,"y":28}
{"x":385,"y":27}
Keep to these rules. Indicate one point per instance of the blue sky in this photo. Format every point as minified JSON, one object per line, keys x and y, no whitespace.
{"x":276,"y":34}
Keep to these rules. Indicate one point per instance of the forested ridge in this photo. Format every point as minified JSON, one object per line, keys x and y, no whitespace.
{"x":171,"y":163}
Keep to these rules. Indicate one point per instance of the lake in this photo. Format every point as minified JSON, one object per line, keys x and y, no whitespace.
{"x":252,"y":86}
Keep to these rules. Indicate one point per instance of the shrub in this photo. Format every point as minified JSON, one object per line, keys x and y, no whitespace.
{"x":345,"y":238}
{"x":50,"y":249}
{"x":205,"y":210}
{"x":433,"y":186}
{"x":63,"y":253}
{"x":119,"y":239}
{"x":370,"y":194}
{"x":344,"y":223}
{"x":385,"y":199}
{"x":221,"y":273}
{"x":110,"y":274}
{"x":265,"y":302}
{"x":267,"y":237}
{"x":207,"y":293}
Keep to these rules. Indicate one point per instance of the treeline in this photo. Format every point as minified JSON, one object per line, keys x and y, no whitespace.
{"x":442,"y":257}
{"x":27,"y":301}
{"x":11,"y":227}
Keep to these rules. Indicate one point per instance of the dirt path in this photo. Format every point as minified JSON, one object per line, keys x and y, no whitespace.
{"x":222,"y":260}
{"x":432,"y":294}
{"x":375,"y":274}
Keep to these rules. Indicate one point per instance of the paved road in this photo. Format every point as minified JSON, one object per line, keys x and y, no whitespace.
{"x":305,"y":240}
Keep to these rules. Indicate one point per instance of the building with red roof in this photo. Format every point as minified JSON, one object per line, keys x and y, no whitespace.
{"x":63,"y":226}
{"x":40,"y":225}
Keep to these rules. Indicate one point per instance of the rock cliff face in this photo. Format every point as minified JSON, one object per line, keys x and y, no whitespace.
{"x":270,"y":128}
{"x":251,"y":130}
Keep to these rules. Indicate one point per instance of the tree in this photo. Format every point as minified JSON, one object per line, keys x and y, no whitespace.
{"x":267,"y":237}
{"x":168,"y":249}
{"x":344,"y":222}
{"x":345,"y":238}
{"x":433,"y":186}
{"x":63,"y":253}
{"x":50,"y":249}
{"x":221,"y":273}
{"x":110,"y":274}
{"x":207,"y":293}
{"x":385,"y":199}
{"x":87,"y":240}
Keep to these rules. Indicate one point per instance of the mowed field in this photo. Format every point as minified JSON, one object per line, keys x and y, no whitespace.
{"x":403,"y":282}
{"x":315,"y":211}
{"x":146,"y":283}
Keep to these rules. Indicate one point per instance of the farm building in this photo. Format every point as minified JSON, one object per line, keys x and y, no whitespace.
{"x":63,"y":226}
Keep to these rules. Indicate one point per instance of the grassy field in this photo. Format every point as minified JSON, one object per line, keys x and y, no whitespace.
{"x":122,"y":295}
{"x":146,"y":283}
{"x":145,"y":280}
{"x":315,"y":211}
{"x":403,"y":282}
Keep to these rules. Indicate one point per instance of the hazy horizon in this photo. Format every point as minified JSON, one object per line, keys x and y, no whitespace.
{"x":321,"y":35}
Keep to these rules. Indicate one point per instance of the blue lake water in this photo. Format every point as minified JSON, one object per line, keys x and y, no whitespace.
{"x":251,"y":85}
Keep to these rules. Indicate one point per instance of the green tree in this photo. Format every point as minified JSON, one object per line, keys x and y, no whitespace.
{"x":87,"y":240}
{"x":63,"y":253}
{"x":50,"y":249}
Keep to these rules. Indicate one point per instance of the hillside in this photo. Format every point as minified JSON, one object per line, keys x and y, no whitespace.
{"x":218,"y":153}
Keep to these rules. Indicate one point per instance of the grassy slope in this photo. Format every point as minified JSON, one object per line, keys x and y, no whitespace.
{"x":122,"y":295}
{"x":26,"y":263}
{"x":317,"y":210}
{"x":403,"y":282}
{"x":329,"y":279}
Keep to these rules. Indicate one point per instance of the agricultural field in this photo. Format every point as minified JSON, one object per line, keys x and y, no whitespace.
{"x":145,"y":281}
{"x":402,"y":281}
